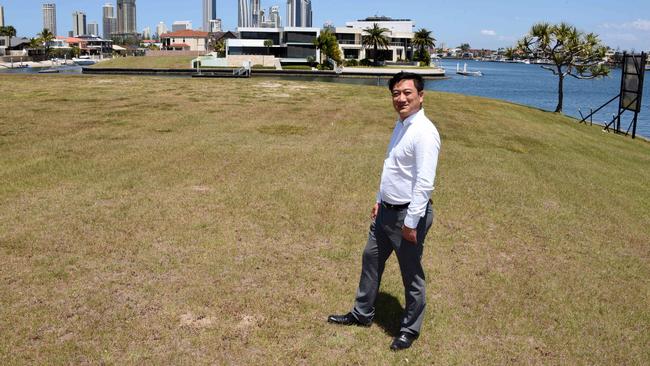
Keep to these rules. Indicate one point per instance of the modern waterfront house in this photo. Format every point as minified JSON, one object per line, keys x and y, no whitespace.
{"x":400,"y":33}
{"x":290,"y":45}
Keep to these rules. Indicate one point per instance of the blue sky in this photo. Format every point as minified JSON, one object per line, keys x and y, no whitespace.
{"x":487,"y":24}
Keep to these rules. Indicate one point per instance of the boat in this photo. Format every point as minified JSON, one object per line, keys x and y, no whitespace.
{"x":83,"y":60}
{"x":464,"y":71}
{"x":48,"y":71}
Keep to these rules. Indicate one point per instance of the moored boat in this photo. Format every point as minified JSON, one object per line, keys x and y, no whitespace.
{"x":464,"y":71}
{"x":83,"y":60}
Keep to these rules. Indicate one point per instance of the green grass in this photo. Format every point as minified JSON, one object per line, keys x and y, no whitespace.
{"x":151,"y":62}
{"x":146,"y":221}
{"x":296,"y":67}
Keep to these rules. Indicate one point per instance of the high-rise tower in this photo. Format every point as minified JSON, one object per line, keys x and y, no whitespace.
{"x":2,"y":16}
{"x":126,"y":17}
{"x":274,"y":16}
{"x":209,"y":13}
{"x":109,"y":22}
{"x":255,"y":13}
{"x":306,"y":15}
{"x":244,"y":18}
{"x":79,"y":23}
{"x":49,"y":17}
{"x":299,"y":13}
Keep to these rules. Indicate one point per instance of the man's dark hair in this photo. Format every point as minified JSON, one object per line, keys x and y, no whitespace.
{"x":417,"y":80}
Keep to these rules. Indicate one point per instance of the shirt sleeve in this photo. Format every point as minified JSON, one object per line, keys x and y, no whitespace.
{"x":426,"y":150}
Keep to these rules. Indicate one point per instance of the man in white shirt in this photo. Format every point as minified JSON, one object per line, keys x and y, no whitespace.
{"x":402,"y":214}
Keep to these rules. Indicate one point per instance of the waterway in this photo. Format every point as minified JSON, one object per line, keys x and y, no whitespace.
{"x":533,"y":86}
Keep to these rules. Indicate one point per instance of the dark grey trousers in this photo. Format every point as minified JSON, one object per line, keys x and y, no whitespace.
{"x":385,"y":236}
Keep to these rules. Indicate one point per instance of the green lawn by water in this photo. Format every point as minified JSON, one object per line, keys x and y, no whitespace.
{"x":185,"y":221}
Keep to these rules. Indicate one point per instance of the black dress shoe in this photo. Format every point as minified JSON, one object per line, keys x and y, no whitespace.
{"x":347,"y":319}
{"x":403,"y":341}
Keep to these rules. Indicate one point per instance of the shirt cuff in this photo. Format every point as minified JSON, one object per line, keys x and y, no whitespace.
{"x":411,"y":222}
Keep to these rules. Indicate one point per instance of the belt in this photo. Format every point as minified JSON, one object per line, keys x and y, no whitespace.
{"x":399,"y":207}
{"x":395,"y":207}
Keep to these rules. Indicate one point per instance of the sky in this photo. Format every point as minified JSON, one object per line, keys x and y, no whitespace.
{"x":482,"y":24}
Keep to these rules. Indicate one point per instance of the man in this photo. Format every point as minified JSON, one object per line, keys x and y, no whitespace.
{"x":402,"y":214}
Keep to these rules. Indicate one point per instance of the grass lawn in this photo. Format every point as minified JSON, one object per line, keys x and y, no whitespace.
{"x":150,"y":221}
{"x":151,"y":62}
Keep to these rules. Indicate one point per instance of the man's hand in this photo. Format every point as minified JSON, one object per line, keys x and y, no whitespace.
{"x":410,"y":235}
{"x":374,"y":211}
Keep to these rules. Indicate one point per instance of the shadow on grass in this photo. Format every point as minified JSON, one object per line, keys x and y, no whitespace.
{"x":388,"y":312}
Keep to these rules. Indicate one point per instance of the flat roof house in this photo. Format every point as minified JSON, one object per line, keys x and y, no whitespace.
{"x":289,"y":45}
{"x":400,"y":32}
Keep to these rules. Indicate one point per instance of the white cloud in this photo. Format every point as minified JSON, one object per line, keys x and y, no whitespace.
{"x":488,"y":32}
{"x":639,"y":25}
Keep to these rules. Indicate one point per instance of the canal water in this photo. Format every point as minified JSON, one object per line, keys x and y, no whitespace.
{"x":533,"y":86}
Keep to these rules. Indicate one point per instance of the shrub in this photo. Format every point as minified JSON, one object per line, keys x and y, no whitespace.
{"x":365,"y":62}
{"x":351,"y":63}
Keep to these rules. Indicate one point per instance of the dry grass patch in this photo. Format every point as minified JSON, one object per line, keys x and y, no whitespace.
{"x":221,"y":228}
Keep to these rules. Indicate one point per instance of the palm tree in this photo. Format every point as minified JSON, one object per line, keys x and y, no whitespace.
{"x":8,"y":31}
{"x":268,"y":43}
{"x":375,"y":38}
{"x":321,"y":43}
{"x":423,"y":40}
{"x":46,"y":37}
{"x":573,"y":53}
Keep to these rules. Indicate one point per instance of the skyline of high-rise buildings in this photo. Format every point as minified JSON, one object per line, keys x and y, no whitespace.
{"x":49,"y":17}
{"x":122,"y":19}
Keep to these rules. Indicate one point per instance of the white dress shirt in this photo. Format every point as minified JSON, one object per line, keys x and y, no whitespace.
{"x":410,"y":167}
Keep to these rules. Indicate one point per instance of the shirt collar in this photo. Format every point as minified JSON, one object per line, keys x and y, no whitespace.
{"x":409,"y":119}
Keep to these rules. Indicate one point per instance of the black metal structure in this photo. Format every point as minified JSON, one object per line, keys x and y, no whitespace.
{"x":630,"y":96}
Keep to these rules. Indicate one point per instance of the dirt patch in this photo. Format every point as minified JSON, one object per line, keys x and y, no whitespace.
{"x":196,"y":321}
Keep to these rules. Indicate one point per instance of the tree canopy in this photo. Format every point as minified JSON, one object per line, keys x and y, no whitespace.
{"x":376,"y":38}
{"x":328,"y":45}
{"x":8,"y":31}
{"x":570,"y":51}
{"x":423,"y":40}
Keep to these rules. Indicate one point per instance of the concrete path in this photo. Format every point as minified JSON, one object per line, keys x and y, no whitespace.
{"x":394,"y":70}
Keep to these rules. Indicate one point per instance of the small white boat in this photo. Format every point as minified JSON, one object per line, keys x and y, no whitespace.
{"x":83,"y":60}
{"x":464,"y":71}
{"x":49,"y":71}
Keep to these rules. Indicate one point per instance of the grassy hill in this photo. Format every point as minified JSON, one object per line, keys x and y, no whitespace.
{"x":167,"y":221}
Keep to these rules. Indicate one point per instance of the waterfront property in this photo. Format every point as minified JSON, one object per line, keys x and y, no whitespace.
{"x":400,"y":33}
{"x":268,"y":46}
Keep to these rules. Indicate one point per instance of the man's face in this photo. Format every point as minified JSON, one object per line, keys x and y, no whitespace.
{"x":406,"y":98}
